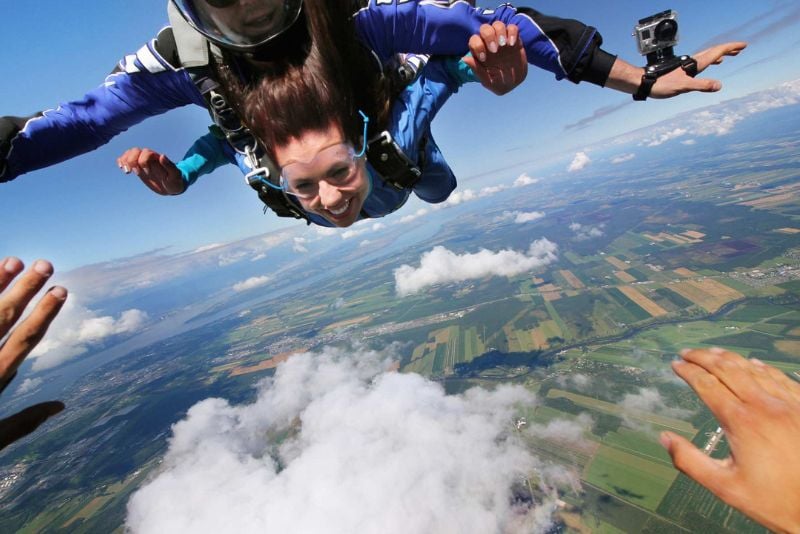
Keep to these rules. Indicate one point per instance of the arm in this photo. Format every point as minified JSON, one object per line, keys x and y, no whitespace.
{"x":758,"y":407}
{"x":567,"y":48}
{"x":22,"y":340}
{"x":164,"y":177}
{"x":143,"y":85}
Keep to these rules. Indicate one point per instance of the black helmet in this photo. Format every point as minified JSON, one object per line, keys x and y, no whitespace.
{"x":241,"y":25}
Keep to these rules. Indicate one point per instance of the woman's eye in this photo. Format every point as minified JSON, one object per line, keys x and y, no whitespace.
{"x":340,"y":173}
{"x":302,"y":186}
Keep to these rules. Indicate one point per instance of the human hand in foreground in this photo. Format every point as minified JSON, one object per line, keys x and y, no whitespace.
{"x":627,"y":78}
{"x":155,"y":170}
{"x":498,"y":58}
{"x":758,"y":407}
{"x":25,"y":337}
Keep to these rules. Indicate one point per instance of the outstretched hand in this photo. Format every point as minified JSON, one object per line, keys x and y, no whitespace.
{"x":758,"y":407}
{"x":498,"y":58}
{"x":678,"y":82}
{"x":155,"y":170}
{"x":25,"y":337}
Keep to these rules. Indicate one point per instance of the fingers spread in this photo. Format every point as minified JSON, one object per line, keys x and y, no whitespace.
{"x":9,"y":268}
{"x":729,"y":368}
{"x":719,"y":399}
{"x":30,"y":331}
{"x":13,"y":303}
{"x":691,"y":461}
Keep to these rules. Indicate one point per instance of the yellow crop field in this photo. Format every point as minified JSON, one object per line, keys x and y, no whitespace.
{"x":572,"y":279}
{"x":266,"y":364}
{"x":618,"y":263}
{"x":790,"y":231}
{"x":771,"y":200}
{"x":625,"y":277}
{"x":347,"y":322}
{"x":694,"y":235}
{"x":706,"y":293}
{"x":686,"y":273}
{"x":789,"y":346}
{"x":643,"y":302}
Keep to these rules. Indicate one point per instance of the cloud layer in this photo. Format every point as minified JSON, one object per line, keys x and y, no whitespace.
{"x":77,"y":329}
{"x":440,"y":265}
{"x":368,"y":451}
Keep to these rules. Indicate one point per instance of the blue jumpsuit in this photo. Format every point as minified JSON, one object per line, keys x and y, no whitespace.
{"x":410,"y":122}
{"x":146,"y":84}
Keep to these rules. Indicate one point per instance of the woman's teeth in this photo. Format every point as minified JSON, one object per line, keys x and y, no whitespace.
{"x":341,"y":210}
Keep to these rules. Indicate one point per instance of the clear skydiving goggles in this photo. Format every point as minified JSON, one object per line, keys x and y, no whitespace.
{"x":242,"y":28}
{"x":336,"y":165}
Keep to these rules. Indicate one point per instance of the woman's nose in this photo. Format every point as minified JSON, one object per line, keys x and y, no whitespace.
{"x":329,"y":195}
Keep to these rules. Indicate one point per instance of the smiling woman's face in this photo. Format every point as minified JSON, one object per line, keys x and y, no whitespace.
{"x":339,"y":203}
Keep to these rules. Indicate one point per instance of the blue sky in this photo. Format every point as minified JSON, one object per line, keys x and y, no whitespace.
{"x":85,"y":210}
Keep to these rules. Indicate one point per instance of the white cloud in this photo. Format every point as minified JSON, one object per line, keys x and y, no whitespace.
{"x":28,"y":385}
{"x":440,"y":266}
{"x":362,"y":227}
{"x":365,"y":243}
{"x":416,"y":215}
{"x":579,"y":162}
{"x":524,"y":180}
{"x":688,"y":142}
{"x":570,"y":431}
{"x":76,"y":329}
{"x":325,"y":231}
{"x":520,"y":217}
{"x":299,"y":245}
{"x":459,"y":197}
{"x":622,"y":158}
{"x":206,"y":248}
{"x":663,"y":137}
{"x":648,"y":400}
{"x":259,"y":257}
{"x":251,"y":283}
{"x":586,"y":232}
{"x":721,"y":119}
{"x":367,"y":451}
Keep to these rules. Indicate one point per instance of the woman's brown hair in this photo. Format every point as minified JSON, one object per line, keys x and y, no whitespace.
{"x":325,"y":83}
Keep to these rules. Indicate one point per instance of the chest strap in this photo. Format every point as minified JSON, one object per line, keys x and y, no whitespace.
{"x":392,"y":164}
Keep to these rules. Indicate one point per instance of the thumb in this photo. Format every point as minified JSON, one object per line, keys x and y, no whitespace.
{"x":705,"y":85}
{"x":470,"y":61}
{"x":692,"y":462}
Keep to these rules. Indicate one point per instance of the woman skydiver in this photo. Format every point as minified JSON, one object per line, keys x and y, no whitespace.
{"x":316,"y":131}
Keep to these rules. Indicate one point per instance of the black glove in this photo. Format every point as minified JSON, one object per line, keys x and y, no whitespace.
{"x":9,"y":128}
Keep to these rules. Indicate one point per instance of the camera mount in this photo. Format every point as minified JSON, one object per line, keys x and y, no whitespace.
{"x":656,"y":37}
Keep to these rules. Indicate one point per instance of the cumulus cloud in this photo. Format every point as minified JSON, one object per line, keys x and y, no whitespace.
{"x":440,"y":265}
{"x":648,"y":400}
{"x":28,"y":385}
{"x":579,"y":163}
{"x":468,"y":195}
{"x":721,"y":119}
{"x":259,"y":257}
{"x":299,"y":245}
{"x":663,"y":137}
{"x":570,"y":431}
{"x":622,"y":158}
{"x":521,"y":217}
{"x":251,"y":283}
{"x":361,"y":228}
{"x":524,"y":180}
{"x":364,"y":450}
{"x":77,"y":329}
{"x":416,"y":215}
{"x":586,"y":232}
{"x":688,"y":142}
